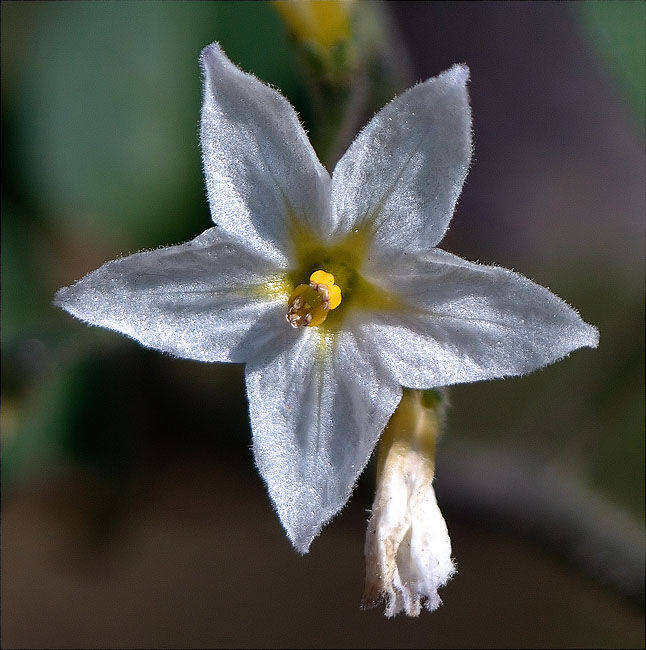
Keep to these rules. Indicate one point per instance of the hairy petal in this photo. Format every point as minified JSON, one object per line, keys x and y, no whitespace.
{"x":466,"y":322}
{"x":402,"y":176}
{"x":317,"y":408}
{"x":260,"y":168}
{"x":200,"y":300}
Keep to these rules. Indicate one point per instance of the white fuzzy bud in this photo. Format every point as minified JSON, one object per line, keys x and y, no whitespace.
{"x":408,"y":550}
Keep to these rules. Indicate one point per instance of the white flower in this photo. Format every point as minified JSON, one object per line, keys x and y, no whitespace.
{"x":321,"y":393}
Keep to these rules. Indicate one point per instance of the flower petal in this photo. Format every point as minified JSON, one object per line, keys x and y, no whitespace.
{"x":317,"y":408}
{"x":466,"y":322}
{"x":200,"y":300}
{"x":259,"y":165}
{"x":402,"y":176}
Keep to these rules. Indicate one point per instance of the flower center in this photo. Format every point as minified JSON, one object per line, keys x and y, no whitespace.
{"x":309,"y":304}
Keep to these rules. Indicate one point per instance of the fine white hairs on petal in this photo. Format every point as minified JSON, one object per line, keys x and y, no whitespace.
{"x":201,"y":300}
{"x":260,"y":168}
{"x":402,"y":176}
{"x":468,"y":322}
{"x":317,"y":409}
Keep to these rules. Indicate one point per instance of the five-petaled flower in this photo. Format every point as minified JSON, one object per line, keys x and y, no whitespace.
{"x":329,"y":288}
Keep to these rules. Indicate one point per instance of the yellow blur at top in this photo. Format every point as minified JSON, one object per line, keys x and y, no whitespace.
{"x":325,"y":22}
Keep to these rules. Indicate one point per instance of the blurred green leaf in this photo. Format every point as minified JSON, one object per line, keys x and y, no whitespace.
{"x":74,"y":412}
{"x":106,"y":100}
{"x":617,"y":31}
{"x":22,"y":297}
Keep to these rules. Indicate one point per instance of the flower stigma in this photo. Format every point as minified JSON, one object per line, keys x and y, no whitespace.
{"x":309,"y":304}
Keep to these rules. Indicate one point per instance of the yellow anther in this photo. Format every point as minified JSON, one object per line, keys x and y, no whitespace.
{"x":321,"y":277}
{"x":309,"y":304}
{"x":335,"y":296}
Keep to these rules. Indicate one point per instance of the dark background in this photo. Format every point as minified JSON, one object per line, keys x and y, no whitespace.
{"x":132,"y":515}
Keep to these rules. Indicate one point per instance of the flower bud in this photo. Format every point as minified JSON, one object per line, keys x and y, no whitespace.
{"x":408,"y":550}
{"x":323,"y":22}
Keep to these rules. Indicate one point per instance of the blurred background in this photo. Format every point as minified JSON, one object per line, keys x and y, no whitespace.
{"x":132,"y":515}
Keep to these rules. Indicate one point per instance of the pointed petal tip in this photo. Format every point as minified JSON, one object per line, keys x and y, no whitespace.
{"x":301,"y":543}
{"x":584,"y":334}
{"x":303,"y":529}
{"x":459,"y":72}
{"x":72,"y":300}
{"x":210,"y":56}
{"x":302,"y":549}
{"x":57,"y":300}
{"x":61,"y":298}
{"x":213,"y":56}
{"x":212,"y":48}
{"x":592,"y":336}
